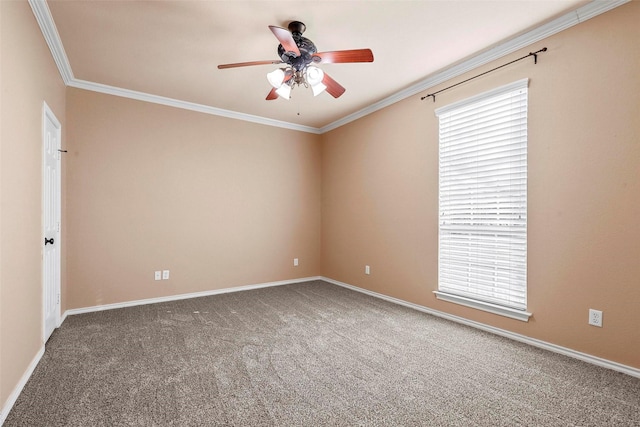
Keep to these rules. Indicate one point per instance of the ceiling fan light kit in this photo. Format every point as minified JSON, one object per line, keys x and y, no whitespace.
{"x":300,"y":55}
{"x":318,"y":89}
{"x":284,"y":91}
{"x":276,"y":77}
{"x":314,"y":75}
{"x":281,"y":77}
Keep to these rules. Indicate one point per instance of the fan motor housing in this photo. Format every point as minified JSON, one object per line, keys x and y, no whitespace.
{"x":307,"y":48}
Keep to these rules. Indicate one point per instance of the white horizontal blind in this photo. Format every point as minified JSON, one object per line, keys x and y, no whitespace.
{"x":483,"y":197}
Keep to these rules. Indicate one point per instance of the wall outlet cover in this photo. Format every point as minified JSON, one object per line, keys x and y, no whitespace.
{"x":595,"y":317}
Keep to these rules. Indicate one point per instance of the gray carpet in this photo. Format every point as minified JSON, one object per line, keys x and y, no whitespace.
{"x":310,"y":354}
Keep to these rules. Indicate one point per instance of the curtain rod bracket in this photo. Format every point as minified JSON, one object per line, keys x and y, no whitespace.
{"x":535,"y":54}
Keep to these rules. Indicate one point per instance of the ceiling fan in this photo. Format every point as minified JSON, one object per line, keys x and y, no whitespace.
{"x":301,"y":57}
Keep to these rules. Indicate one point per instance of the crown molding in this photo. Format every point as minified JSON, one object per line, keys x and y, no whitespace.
{"x":588,"y":11}
{"x":185,"y":105}
{"x":51,"y":36}
{"x":598,"y":7}
{"x":559,"y":24}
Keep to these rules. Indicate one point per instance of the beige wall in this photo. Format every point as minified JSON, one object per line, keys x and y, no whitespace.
{"x":218,"y":202}
{"x":29,"y":77}
{"x":380,"y":191}
{"x":225,"y":203}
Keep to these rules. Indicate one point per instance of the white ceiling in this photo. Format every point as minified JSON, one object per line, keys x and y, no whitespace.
{"x":171,"y":49}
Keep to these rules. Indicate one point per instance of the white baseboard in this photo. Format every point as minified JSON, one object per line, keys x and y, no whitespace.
{"x":183,"y":296}
{"x":25,"y":377}
{"x":18,"y":388}
{"x":629,"y":370}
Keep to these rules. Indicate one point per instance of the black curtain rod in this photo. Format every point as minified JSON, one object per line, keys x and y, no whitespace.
{"x":535,"y":59}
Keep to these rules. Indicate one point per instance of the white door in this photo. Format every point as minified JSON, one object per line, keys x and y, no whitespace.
{"x":51,"y":136}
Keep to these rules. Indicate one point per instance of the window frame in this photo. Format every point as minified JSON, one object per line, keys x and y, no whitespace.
{"x":512,"y":306}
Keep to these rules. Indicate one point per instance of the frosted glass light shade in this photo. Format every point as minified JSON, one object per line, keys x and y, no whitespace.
{"x":276,"y":77}
{"x":314,"y":75}
{"x":284,"y":91}
{"x":318,"y":89}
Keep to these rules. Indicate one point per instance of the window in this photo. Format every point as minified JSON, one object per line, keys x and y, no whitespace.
{"x":482,"y":255}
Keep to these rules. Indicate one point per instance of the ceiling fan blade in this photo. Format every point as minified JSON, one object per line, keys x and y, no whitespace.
{"x":247,"y":64}
{"x":343,"y":56}
{"x":272,"y":95}
{"x":285,"y":38}
{"x":333,"y":87}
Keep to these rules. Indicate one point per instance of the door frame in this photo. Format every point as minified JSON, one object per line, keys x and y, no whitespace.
{"x":47,"y":114}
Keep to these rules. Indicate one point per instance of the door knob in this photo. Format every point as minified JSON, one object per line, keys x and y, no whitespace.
{"x":48,"y":241}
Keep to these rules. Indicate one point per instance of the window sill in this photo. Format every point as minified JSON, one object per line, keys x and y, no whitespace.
{"x":484,"y":306}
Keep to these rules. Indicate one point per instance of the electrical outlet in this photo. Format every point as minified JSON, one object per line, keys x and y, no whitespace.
{"x":595,"y":317}
{"x":158,"y":275}
{"x":295,"y":262}
{"x":367,"y":269}
{"x":165,"y":274}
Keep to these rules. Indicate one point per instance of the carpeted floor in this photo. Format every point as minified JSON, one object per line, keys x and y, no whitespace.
{"x":310,"y":354}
